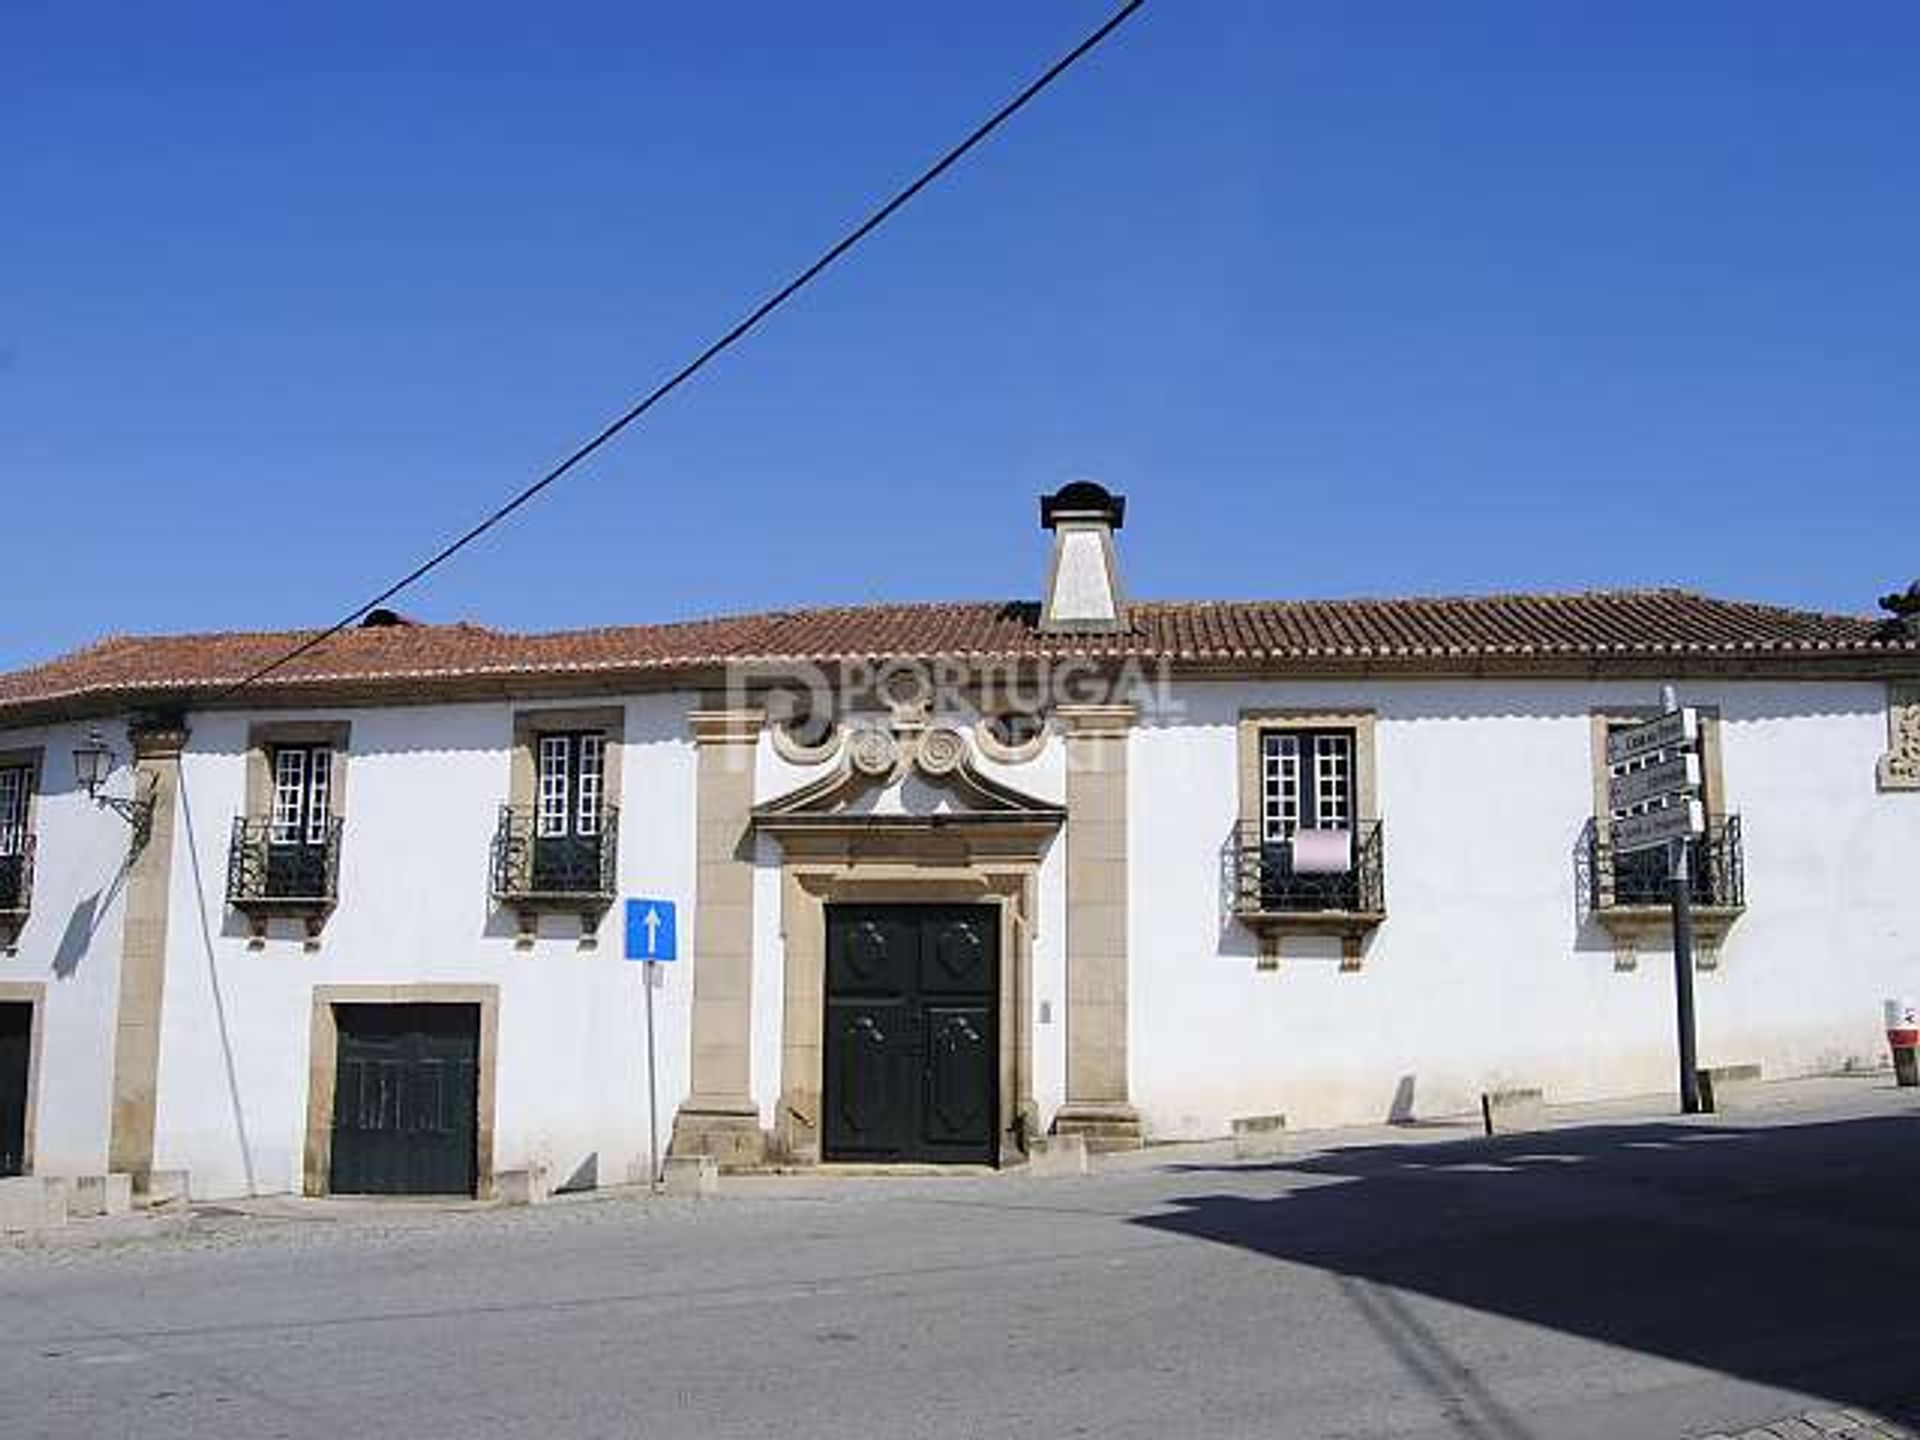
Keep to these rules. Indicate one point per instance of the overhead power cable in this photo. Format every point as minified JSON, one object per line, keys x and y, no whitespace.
{"x":699,"y":362}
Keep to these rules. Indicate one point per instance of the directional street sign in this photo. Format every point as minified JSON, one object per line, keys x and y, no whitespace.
{"x":1676,"y":730}
{"x":650,"y":930}
{"x":1677,"y":776}
{"x":1680,"y":821}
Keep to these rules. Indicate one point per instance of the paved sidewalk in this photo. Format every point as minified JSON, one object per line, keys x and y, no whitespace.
{"x":295,"y":1219}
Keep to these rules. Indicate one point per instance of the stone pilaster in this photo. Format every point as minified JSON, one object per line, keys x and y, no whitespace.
{"x":719,"y":1117}
{"x":1097,"y":1104}
{"x":143,"y":950}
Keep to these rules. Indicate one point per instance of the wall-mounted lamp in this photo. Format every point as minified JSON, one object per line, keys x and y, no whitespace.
{"x":93,"y":763}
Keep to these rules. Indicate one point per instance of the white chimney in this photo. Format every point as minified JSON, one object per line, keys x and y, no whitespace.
{"x":1083,"y":578}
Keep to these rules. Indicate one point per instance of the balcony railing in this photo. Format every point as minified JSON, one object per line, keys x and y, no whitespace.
{"x":1268,"y":882}
{"x":16,"y":873}
{"x":1716,"y":870}
{"x":574,"y":872}
{"x":288,"y":877}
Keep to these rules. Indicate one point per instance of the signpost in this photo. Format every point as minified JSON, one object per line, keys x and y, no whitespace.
{"x":1653,"y":785}
{"x":652,"y":941}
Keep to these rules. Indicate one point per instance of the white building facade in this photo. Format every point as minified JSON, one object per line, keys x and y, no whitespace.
{"x":947,"y":878}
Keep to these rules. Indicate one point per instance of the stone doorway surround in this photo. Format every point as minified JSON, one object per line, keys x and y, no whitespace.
{"x":32,"y":994}
{"x":987,"y":850}
{"x":323,"y":1064}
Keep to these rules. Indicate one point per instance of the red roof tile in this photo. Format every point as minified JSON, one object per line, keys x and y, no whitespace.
{"x":1411,"y":633}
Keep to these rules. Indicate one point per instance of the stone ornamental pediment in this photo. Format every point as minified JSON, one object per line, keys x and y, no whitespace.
{"x":905,"y":773}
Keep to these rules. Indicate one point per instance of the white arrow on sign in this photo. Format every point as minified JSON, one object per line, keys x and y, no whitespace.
{"x":1681,"y":821}
{"x":1652,"y":782}
{"x":652,"y":922}
{"x":1676,"y":730}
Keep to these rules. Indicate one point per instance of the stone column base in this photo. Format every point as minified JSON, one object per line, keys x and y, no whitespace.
{"x":1106,"y":1125}
{"x":728,"y":1131}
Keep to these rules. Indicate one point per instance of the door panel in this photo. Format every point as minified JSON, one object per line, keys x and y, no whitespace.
{"x":16,"y":1042}
{"x":872,"y":1061}
{"x":405,"y":1109}
{"x":959,"y":1105}
{"x":911,"y":1062}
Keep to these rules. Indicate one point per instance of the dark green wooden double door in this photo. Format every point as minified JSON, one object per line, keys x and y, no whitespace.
{"x":912,"y":1055}
{"x":16,"y":1066}
{"x":406,"y":1100}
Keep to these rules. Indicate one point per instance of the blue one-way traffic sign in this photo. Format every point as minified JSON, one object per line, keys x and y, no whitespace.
{"x":650,"y":930}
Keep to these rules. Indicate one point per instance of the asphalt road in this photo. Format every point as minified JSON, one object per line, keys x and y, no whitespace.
{"x":1656,"y":1280}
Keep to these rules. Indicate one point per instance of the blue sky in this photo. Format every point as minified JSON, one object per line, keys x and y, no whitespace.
{"x":1397,"y":298}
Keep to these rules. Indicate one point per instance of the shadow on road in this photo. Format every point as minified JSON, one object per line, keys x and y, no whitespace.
{"x":1785,"y":1255}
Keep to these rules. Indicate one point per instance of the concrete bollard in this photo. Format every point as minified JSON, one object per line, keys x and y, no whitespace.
{"x":696,"y":1175}
{"x":32,"y":1202}
{"x":522,"y":1187}
{"x":1726,"y":1087}
{"x":1259,"y":1137}
{"x":1513,"y":1112}
{"x":1058,"y":1155}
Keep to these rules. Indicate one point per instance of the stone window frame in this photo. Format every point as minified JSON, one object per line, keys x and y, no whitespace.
{"x":1259,"y":721}
{"x":1712,"y":769}
{"x":263,"y":738}
{"x":33,"y":994}
{"x":323,"y":1071}
{"x":266,"y":736}
{"x":33,"y":757}
{"x":523,"y":767}
{"x":1366,"y":772}
{"x":1631,"y":924}
{"x":523,"y":780}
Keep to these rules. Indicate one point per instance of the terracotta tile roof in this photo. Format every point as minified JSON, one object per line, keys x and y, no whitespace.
{"x":1261,"y":635}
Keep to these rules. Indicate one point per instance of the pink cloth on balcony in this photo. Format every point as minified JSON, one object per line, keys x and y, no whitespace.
{"x":1322,"y":852}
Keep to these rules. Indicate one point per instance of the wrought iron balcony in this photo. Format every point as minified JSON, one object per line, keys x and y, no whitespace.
{"x":1716,"y":870}
{"x":1268,"y":885}
{"x":16,"y":884}
{"x":558,"y":872}
{"x":268,"y":877}
{"x":16,"y":872}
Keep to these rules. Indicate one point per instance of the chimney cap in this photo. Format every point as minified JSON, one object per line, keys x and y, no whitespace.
{"x":1083,"y":500}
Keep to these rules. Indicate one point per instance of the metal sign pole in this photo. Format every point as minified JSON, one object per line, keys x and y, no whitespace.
{"x":648,"y":971}
{"x":1683,"y":979}
{"x":1680,"y":872}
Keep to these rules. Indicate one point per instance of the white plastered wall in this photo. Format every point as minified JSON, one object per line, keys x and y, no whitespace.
{"x":1483,"y":974}
{"x":423,"y":790}
{"x":70,"y":945}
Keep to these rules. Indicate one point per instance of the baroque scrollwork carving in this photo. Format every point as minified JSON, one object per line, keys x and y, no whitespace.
{"x":1900,"y":766}
{"x":872,"y":751}
{"x":942,"y":751}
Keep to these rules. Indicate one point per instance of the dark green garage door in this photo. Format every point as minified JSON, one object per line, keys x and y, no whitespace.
{"x":16,"y":1041}
{"x":406,"y":1099}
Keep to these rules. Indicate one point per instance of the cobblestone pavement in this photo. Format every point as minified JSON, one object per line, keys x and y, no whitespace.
{"x":1848,"y":1424}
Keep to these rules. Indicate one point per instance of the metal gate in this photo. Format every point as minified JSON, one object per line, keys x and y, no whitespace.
{"x":16,"y":1044}
{"x":406,"y":1100}
{"x":911,"y":1062}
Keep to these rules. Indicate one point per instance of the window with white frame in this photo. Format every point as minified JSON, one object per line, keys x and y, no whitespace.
{"x":16,"y":788}
{"x":302,"y":795}
{"x":1306,"y":782}
{"x":572,"y":785}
